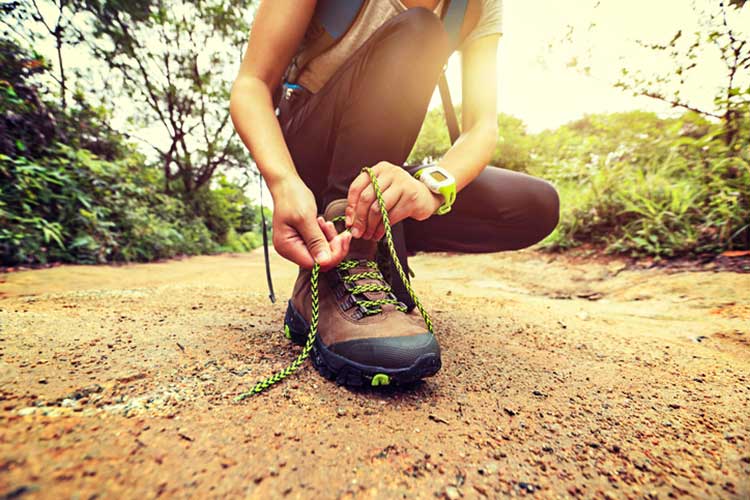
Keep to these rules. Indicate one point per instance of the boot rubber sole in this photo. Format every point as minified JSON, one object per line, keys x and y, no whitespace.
{"x":347,"y":372}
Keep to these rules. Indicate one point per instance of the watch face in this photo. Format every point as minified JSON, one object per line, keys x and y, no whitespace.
{"x":439,"y":176}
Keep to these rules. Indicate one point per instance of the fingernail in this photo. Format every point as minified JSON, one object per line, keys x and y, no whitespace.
{"x":323,"y":256}
{"x":348,"y":221}
{"x":356,"y":233}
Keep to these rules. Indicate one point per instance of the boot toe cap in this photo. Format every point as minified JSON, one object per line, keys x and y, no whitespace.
{"x":388,"y":352}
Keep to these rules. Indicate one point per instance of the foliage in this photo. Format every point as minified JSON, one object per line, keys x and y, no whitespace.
{"x":172,"y":61}
{"x":722,"y":30}
{"x":719,"y":45}
{"x":641,"y":185}
{"x":511,"y":152}
{"x":73,"y":190}
{"x":631,"y":182}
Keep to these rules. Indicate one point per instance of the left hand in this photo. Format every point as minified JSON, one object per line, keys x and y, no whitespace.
{"x":404,"y":197}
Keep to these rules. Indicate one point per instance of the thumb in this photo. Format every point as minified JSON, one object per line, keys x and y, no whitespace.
{"x":316,"y":242}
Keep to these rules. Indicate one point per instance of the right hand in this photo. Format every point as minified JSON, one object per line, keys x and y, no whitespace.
{"x":299,"y":234}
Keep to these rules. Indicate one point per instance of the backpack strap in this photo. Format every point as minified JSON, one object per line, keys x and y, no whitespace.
{"x":331,"y":21}
{"x":454,"y":12}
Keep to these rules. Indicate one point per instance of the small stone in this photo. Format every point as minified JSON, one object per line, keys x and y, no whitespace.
{"x":341,"y":412}
{"x":452,"y":493}
{"x":26,"y":411}
{"x":510,"y":411}
{"x":491,"y":468}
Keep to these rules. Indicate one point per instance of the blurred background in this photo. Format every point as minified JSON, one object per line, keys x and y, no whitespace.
{"x":116,"y":142}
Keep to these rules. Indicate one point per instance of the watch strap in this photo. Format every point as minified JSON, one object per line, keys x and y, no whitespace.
{"x":448,"y":192}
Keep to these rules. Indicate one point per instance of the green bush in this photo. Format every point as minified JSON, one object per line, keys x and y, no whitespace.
{"x":73,"y":190}
{"x":73,"y":207}
{"x":630,"y":182}
{"x":645,"y":186}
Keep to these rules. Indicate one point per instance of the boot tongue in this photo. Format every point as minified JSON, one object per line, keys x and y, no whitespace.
{"x":359,"y":248}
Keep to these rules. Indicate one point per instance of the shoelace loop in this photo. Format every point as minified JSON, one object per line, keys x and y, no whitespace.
{"x":348,"y":264}
{"x":371,"y":306}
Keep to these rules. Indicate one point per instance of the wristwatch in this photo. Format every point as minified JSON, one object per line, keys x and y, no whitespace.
{"x":439,"y":181}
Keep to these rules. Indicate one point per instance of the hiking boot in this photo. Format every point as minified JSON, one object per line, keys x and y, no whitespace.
{"x":365,"y":336}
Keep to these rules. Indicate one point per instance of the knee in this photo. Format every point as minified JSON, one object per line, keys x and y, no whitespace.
{"x":532,"y":216}
{"x":544,"y":209}
{"x":423,"y":29}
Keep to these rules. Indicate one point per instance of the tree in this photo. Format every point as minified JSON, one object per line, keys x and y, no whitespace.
{"x":720,"y":37}
{"x":59,"y":26}
{"x":721,"y":29}
{"x":173,"y":62}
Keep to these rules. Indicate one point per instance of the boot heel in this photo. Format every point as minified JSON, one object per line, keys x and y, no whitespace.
{"x":295,"y":326}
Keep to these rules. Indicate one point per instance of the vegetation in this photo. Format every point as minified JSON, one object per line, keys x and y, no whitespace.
{"x":75,"y":189}
{"x":631,"y":182}
{"x":635,"y":183}
{"x":72,"y":190}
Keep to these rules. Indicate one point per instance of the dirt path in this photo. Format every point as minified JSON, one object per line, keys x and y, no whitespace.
{"x":559,"y":379}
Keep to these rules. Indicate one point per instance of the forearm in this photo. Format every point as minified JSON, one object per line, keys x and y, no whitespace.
{"x":254,"y":118}
{"x":471,"y":152}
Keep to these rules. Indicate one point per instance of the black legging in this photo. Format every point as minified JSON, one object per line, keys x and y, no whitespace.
{"x":372,"y":109}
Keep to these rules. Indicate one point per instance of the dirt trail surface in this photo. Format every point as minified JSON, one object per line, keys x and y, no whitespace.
{"x":560,"y":378}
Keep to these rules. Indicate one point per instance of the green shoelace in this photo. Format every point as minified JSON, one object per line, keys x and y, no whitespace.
{"x":375,"y":306}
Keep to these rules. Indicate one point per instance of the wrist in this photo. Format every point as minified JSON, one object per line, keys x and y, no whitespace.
{"x":432,"y":202}
{"x":280,"y":187}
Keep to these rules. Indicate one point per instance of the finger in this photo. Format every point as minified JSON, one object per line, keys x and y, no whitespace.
{"x":379,"y":232}
{"x":316,"y":241}
{"x":375,"y":217}
{"x":291,"y":246}
{"x":359,"y":217}
{"x":355,"y":190}
{"x":339,"y":249}
{"x":329,"y":230}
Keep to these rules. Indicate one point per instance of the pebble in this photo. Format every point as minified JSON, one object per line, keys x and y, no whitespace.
{"x":491,"y":468}
{"x":26,"y":411}
{"x":452,"y":493}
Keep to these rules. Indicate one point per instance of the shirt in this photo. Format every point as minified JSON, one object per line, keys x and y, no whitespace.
{"x":375,"y":14}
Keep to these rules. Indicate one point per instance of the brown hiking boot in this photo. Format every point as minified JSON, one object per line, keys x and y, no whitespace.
{"x":365,"y":336}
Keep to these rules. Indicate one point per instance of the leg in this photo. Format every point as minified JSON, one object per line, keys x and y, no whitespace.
{"x":500,"y":210}
{"x":371,"y":109}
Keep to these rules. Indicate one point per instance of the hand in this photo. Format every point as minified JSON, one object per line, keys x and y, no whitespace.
{"x":404,"y":197}
{"x":299,"y":234}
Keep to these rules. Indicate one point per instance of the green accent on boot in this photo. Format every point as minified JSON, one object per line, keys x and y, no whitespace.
{"x":287,"y":332}
{"x":380,"y":379}
{"x":374,"y":305}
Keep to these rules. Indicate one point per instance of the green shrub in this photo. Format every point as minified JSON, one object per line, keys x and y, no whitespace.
{"x":73,"y":190}
{"x":645,"y":186}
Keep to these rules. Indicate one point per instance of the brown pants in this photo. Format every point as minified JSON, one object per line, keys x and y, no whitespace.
{"x":372,"y":109}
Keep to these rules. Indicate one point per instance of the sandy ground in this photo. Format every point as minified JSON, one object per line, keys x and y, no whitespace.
{"x":560,"y":378}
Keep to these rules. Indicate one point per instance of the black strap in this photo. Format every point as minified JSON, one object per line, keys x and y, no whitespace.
{"x":271,"y":295}
{"x":450,"y":113}
{"x":453,"y":16}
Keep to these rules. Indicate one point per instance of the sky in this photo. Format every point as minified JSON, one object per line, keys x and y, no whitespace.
{"x":536,"y":83}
